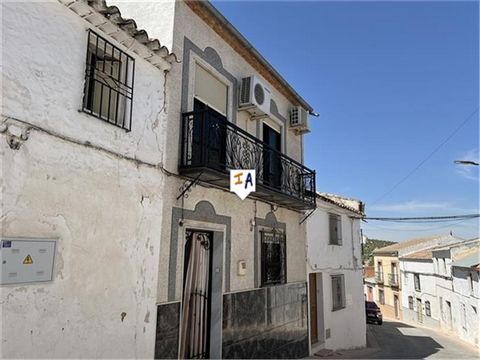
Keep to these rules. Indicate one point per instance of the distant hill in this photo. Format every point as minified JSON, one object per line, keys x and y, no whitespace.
{"x":369,"y":246}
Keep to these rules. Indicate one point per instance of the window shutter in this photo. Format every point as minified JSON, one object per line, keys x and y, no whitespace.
{"x":339,"y":229}
{"x":210,"y":90}
{"x":333,"y":229}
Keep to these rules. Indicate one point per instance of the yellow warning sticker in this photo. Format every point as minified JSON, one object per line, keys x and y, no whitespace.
{"x":28,"y":260}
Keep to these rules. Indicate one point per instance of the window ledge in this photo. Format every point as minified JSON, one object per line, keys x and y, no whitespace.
{"x":338,"y":308}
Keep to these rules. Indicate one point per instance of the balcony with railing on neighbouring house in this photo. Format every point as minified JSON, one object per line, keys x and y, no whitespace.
{"x":379,"y":277}
{"x":393,"y":280}
{"x":211,"y":146}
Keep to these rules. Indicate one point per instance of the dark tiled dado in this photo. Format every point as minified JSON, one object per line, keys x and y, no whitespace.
{"x":166,"y":343}
{"x":266,"y":323}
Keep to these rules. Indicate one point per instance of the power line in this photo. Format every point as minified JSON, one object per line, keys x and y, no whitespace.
{"x":420,"y":164}
{"x":417,"y":229}
{"x":425,"y":219}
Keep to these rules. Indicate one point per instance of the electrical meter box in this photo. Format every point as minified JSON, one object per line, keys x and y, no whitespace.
{"x":26,"y":260}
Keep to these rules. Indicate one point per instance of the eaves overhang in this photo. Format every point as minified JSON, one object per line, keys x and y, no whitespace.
{"x":109,"y":20}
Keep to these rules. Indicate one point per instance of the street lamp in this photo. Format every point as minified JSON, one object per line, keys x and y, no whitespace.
{"x":466,"y":162}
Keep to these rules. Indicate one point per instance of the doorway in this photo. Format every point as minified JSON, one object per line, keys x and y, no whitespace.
{"x":197,"y":290}
{"x":449,"y":314}
{"x":396,"y":306}
{"x":272,"y":164}
{"x":316,"y":310}
{"x":419,"y":311}
{"x":209,"y":137}
{"x":313,"y":308}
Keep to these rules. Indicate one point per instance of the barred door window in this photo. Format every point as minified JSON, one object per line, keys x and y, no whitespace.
{"x":274,"y":264}
{"x":338,"y":292}
{"x":335,"y":229}
{"x":109,"y":79}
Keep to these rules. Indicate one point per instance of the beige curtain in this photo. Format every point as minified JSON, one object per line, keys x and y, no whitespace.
{"x":194,"y":326}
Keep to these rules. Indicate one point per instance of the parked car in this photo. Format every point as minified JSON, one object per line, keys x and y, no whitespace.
{"x":373,"y":312}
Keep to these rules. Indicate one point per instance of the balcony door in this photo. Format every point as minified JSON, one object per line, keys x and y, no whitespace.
{"x":209,"y":137}
{"x":272,"y":165}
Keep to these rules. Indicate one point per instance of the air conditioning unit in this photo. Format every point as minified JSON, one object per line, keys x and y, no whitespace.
{"x":254,"y":97}
{"x":299,"y":120}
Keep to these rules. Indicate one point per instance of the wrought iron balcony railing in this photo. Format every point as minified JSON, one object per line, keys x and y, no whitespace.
{"x":393,"y":279}
{"x":379,"y":277}
{"x":211,"y":146}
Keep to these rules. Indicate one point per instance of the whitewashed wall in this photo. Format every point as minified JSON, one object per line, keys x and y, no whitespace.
{"x":187,"y":24}
{"x":347,"y":326}
{"x":427,"y":291}
{"x":103,"y":210}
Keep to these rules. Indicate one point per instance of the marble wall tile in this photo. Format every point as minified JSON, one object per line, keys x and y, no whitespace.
{"x":266,"y":323}
{"x":168,"y":322}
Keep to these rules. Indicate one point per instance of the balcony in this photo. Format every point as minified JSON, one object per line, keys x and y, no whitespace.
{"x":379,"y":277}
{"x":211,"y":146}
{"x":393,"y":280}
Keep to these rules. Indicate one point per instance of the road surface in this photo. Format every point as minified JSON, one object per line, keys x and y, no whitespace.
{"x":397,"y":340}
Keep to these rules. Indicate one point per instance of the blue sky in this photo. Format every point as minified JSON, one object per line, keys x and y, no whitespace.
{"x":391,"y":81}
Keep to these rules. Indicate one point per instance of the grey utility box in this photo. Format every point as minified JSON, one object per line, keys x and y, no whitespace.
{"x":26,"y":260}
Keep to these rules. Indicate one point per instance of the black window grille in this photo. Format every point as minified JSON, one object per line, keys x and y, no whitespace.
{"x":381,"y":297}
{"x":109,"y":76}
{"x":335,"y":229}
{"x":416,"y":280}
{"x":338,"y":292}
{"x":274,"y":264}
{"x":428,"y":311}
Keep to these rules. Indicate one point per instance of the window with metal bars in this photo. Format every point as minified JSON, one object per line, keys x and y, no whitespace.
{"x":274,"y":263}
{"x":428,"y":310}
{"x":338,"y":292}
{"x":335,"y":229}
{"x":109,"y":77}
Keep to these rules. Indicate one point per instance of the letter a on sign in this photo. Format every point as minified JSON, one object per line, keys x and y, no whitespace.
{"x":28,"y":260}
{"x":242,"y":182}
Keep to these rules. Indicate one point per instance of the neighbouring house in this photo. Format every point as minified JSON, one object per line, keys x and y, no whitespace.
{"x":457,"y":271}
{"x":238,"y":265}
{"x":82,"y":143}
{"x":388,"y":287}
{"x":368,"y":282}
{"x":334,"y":267}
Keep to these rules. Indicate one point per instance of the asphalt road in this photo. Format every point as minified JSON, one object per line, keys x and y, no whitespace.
{"x":396,"y":340}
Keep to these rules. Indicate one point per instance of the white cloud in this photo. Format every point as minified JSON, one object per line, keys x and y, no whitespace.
{"x":419,"y":206}
{"x":410,"y":206}
{"x":469,"y":172}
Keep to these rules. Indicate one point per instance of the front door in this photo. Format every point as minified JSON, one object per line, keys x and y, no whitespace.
{"x":313,"y":308}
{"x":396,"y":305}
{"x":419,"y":311}
{"x":449,"y":314}
{"x":196,"y":304}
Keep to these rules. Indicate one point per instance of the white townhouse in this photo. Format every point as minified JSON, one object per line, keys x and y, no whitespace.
{"x":335,"y":273}
{"x":120,"y":235}
{"x":82,"y":146}
{"x":457,"y":276}
{"x":232,"y":271}
{"x":419,"y":299}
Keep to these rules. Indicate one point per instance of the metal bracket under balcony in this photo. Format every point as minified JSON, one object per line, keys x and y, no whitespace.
{"x":211,"y":145}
